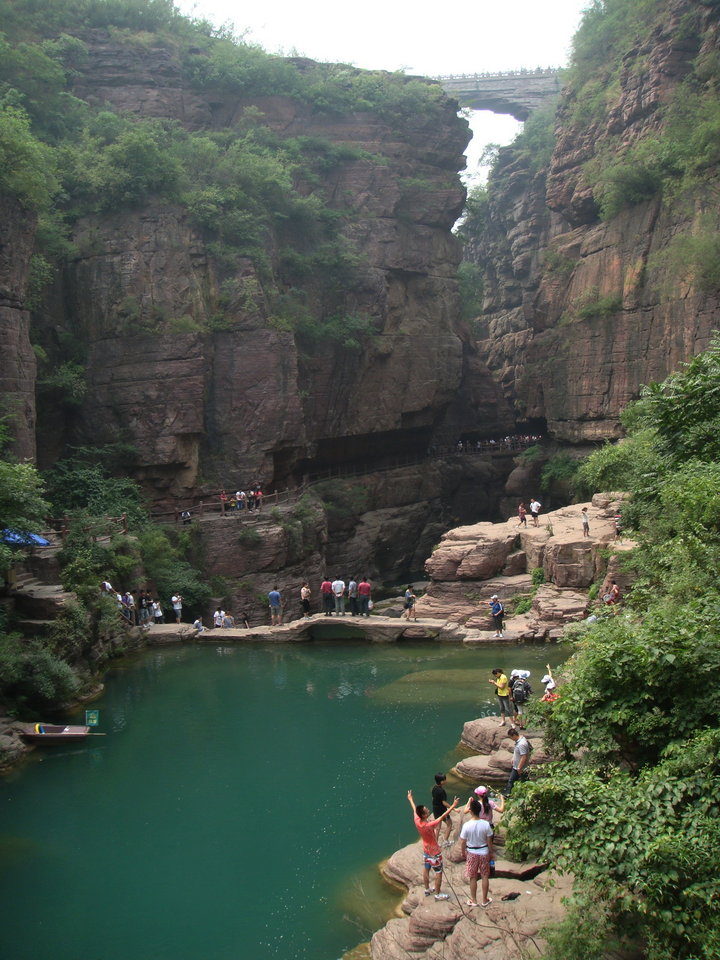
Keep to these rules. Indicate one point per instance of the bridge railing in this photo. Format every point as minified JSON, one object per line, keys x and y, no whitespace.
{"x":503,"y":74}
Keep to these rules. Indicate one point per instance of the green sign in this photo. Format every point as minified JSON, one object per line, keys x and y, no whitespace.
{"x":92,"y":718}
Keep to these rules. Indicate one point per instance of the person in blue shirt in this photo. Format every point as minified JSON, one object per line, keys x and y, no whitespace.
{"x":275,"y":598}
{"x":498,"y":612}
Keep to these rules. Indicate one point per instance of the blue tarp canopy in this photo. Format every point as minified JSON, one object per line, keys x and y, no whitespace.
{"x":23,"y":538}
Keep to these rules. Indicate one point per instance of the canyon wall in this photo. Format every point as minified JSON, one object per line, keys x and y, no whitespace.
{"x":210,"y":390}
{"x":580,"y":310}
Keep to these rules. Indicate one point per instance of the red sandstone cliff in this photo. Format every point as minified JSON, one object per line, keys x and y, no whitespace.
{"x":229,"y":403}
{"x":581,"y":312}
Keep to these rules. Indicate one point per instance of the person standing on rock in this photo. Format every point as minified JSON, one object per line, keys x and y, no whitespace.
{"x":476,"y":839}
{"x":488,"y":806}
{"x":535,"y":506}
{"x":327,"y":596}
{"x":498,"y":613}
{"x":338,"y":589}
{"x":364,"y":591}
{"x":502,"y":690}
{"x":432,"y":857}
{"x":440,"y":805}
{"x":177,"y":601}
{"x":521,"y":759}
{"x":410,"y":599}
{"x":585,"y":522}
{"x":353,"y":596}
{"x":218,"y":617}
{"x":305,"y":599}
{"x":520,"y":691}
{"x":157,"y":612}
{"x":275,"y":598}
{"x":522,"y":515}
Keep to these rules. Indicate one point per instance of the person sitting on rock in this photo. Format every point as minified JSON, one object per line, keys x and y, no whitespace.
{"x":432,"y":857}
{"x":228,"y":620}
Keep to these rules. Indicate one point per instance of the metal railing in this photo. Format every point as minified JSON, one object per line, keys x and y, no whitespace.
{"x":209,"y":505}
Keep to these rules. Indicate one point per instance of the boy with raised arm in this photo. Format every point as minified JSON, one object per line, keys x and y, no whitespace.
{"x":432,"y":857}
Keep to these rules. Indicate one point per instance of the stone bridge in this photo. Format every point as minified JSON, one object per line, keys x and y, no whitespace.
{"x":517,"y":94}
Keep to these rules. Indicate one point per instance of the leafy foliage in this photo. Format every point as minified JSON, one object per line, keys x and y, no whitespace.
{"x":558,"y":471}
{"x":23,"y":507}
{"x":471,"y":288}
{"x":74,"y":485}
{"x":638,"y":720}
{"x":169,"y":570}
{"x":475,"y":215}
{"x":32,"y":676}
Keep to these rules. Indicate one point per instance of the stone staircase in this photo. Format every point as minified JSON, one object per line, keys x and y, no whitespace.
{"x":36,"y":596}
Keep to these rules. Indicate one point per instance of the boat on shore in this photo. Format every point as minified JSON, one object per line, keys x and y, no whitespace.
{"x":54,"y":733}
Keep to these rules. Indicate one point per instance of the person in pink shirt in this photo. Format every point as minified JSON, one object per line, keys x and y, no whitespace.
{"x":432,"y":857}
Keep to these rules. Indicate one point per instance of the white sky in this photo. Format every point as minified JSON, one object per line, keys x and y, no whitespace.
{"x":420,"y":38}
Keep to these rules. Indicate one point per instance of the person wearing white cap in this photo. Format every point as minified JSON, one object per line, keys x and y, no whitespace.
{"x":520,"y":691}
{"x":498,"y":612}
{"x":550,"y":685}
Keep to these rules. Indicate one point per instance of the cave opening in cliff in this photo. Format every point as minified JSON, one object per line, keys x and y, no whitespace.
{"x":362,"y":453}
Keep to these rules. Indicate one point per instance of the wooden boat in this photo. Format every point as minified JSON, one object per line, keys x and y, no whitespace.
{"x":54,"y":733}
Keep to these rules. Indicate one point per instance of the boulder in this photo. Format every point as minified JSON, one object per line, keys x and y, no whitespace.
{"x":477,"y":552}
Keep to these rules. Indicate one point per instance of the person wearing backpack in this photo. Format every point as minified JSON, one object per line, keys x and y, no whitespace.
{"x":498,"y":613}
{"x":520,"y":691}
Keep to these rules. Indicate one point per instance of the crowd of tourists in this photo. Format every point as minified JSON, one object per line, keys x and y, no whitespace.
{"x":250,"y":500}
{"x":137,"y":611}
{"x":514,"y":441}
{"x":476,"y":834}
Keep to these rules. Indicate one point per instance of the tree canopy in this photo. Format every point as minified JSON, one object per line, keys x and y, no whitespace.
{"x":633,"y":810}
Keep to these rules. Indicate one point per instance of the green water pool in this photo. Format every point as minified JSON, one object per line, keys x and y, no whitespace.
{"x":240,"y":802}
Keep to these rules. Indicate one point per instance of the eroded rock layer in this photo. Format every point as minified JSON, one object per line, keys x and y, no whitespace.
{"x":205,"y":385}
{"x":580,"y":311}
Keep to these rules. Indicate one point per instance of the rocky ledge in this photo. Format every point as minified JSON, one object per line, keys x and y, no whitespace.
{"x":493,"y":751}
{"x":506,"y":928}
{"x":471,"y":563}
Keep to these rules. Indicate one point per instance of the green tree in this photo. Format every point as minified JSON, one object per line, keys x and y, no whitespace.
{"x":22,"y":504}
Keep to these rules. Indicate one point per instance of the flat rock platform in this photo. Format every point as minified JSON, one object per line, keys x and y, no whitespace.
{"x":376,"y":629}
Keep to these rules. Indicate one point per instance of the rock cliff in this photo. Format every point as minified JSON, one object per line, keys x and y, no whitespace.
{"x":580,"y":310}
{"x":210,"y":389}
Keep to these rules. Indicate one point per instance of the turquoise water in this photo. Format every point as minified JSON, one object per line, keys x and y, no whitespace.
{"x":239,"y":803}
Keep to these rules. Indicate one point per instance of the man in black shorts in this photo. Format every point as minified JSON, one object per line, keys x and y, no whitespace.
{"x":440,"y":806}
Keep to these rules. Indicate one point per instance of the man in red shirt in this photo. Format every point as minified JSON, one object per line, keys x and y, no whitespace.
{"x":432,"y":857}
{"x":327,"y":597}
{"x":364,"y":590}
